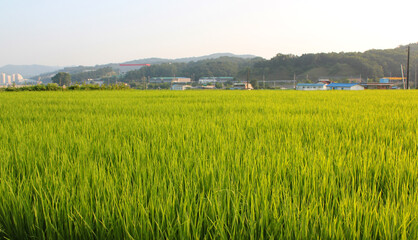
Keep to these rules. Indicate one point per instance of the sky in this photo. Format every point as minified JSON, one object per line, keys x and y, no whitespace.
{"x":90,"y":32}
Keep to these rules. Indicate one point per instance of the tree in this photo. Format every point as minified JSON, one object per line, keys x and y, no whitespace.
{"x":62,"y":78}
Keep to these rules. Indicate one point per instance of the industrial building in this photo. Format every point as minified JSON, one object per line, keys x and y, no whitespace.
{"x":170,"y":80}
{"x":242,"y":86}
{"x":311,"y":86}
{"x":209,"y":80}
{"x":379,"y":86}
{"x":180,"y":87}
{"x":344,"y":86}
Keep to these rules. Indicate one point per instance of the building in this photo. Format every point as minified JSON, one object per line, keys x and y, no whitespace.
{"x":325,"y":81}
{"x":19,"y":78}
{"x":180,"y":87}
{"x":344,"y":86}
{"x":3,"y":79}
{"x":209,"y":80}
{"x":170,"y":80}
{"x":311,"y":86}
{"x":242,"y":86}
{"x":392,"y":80}
{"x":208,"y":87}
{"x":379,"y":85}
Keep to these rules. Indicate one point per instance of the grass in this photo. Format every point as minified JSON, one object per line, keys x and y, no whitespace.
{"x":209,"y":164}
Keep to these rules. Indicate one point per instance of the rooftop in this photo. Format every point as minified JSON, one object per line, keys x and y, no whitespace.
{"x":216,"y":77}
{"x":311,"y":84}
{"x":342,"y":84}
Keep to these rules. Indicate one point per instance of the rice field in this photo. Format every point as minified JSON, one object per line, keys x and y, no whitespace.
{"x":209,"y":165}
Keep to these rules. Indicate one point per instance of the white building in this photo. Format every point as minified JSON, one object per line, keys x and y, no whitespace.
{"x":180,"y":87}
{"x":311,"y":86}
{"x":170,"y":80}
{"x":3,"y":79}
{"x":344,"y":86}
{"x":242,"y":86}
{"x":19,"y":77}
{"x":209,"y":80}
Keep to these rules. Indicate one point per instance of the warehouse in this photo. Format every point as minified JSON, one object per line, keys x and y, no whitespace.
{"x":180,"y":87}
{"x":209,"y":80}
{"x":170,"y":80}
{"x":311,"y":86}
{"x":344,"y":86}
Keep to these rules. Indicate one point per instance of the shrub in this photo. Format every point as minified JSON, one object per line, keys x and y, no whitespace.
{"x":74,"y":87}
{"x":52,"y":87}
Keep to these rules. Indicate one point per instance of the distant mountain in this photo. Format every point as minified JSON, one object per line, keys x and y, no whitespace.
{"x":189,"y":59}
{"x":152,"y":61}
{"x":28,"y":71}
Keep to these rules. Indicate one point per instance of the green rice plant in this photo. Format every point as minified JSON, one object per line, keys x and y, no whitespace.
{"x":209,"y":165}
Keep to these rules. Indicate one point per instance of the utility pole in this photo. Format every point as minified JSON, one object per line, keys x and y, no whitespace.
{"x":416,"y":86}
{"x":174,"y":79}
{"x":248,"y":76}
{"x":403,"y":77}
{"x":294,"y":80}
{"x":407,"y":68}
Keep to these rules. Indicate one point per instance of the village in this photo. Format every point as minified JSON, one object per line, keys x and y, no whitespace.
{"x":231,"y":83}
{"x":385,"y":83}
{"x":184,"y":83}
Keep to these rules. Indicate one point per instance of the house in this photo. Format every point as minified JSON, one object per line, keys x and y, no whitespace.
{"x":242,"y":86}
{"x":170,"y":80}
{"x":209,"y":80}
{"x":208,"y":87}
{"x":311,"y":86}
{"x":324,"y":80}
{"x":180,"y":87}
{"x":344,"y":86}
{"x":379,"y":85}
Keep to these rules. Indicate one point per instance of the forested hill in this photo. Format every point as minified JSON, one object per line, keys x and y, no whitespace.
{"x":372,"y":64}
{"x":223,"y":66}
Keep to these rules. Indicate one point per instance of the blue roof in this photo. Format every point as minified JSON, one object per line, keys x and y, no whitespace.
{"x":311,"y":84}
{"x":342,"y":84}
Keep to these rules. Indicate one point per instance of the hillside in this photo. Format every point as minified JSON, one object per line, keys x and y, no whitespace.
{"x":153,"y":61}
{"x":372,"y":65}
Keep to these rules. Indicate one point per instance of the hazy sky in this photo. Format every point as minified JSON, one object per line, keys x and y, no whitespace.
{"x":89,"y":32}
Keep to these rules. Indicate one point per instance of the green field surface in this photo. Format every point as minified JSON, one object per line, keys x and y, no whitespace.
{"x":209,"y":165}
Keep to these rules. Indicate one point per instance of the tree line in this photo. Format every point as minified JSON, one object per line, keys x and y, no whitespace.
{"x":74,"y":87}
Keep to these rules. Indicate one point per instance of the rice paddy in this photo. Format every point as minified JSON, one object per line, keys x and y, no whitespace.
{"x":209,"y":165}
